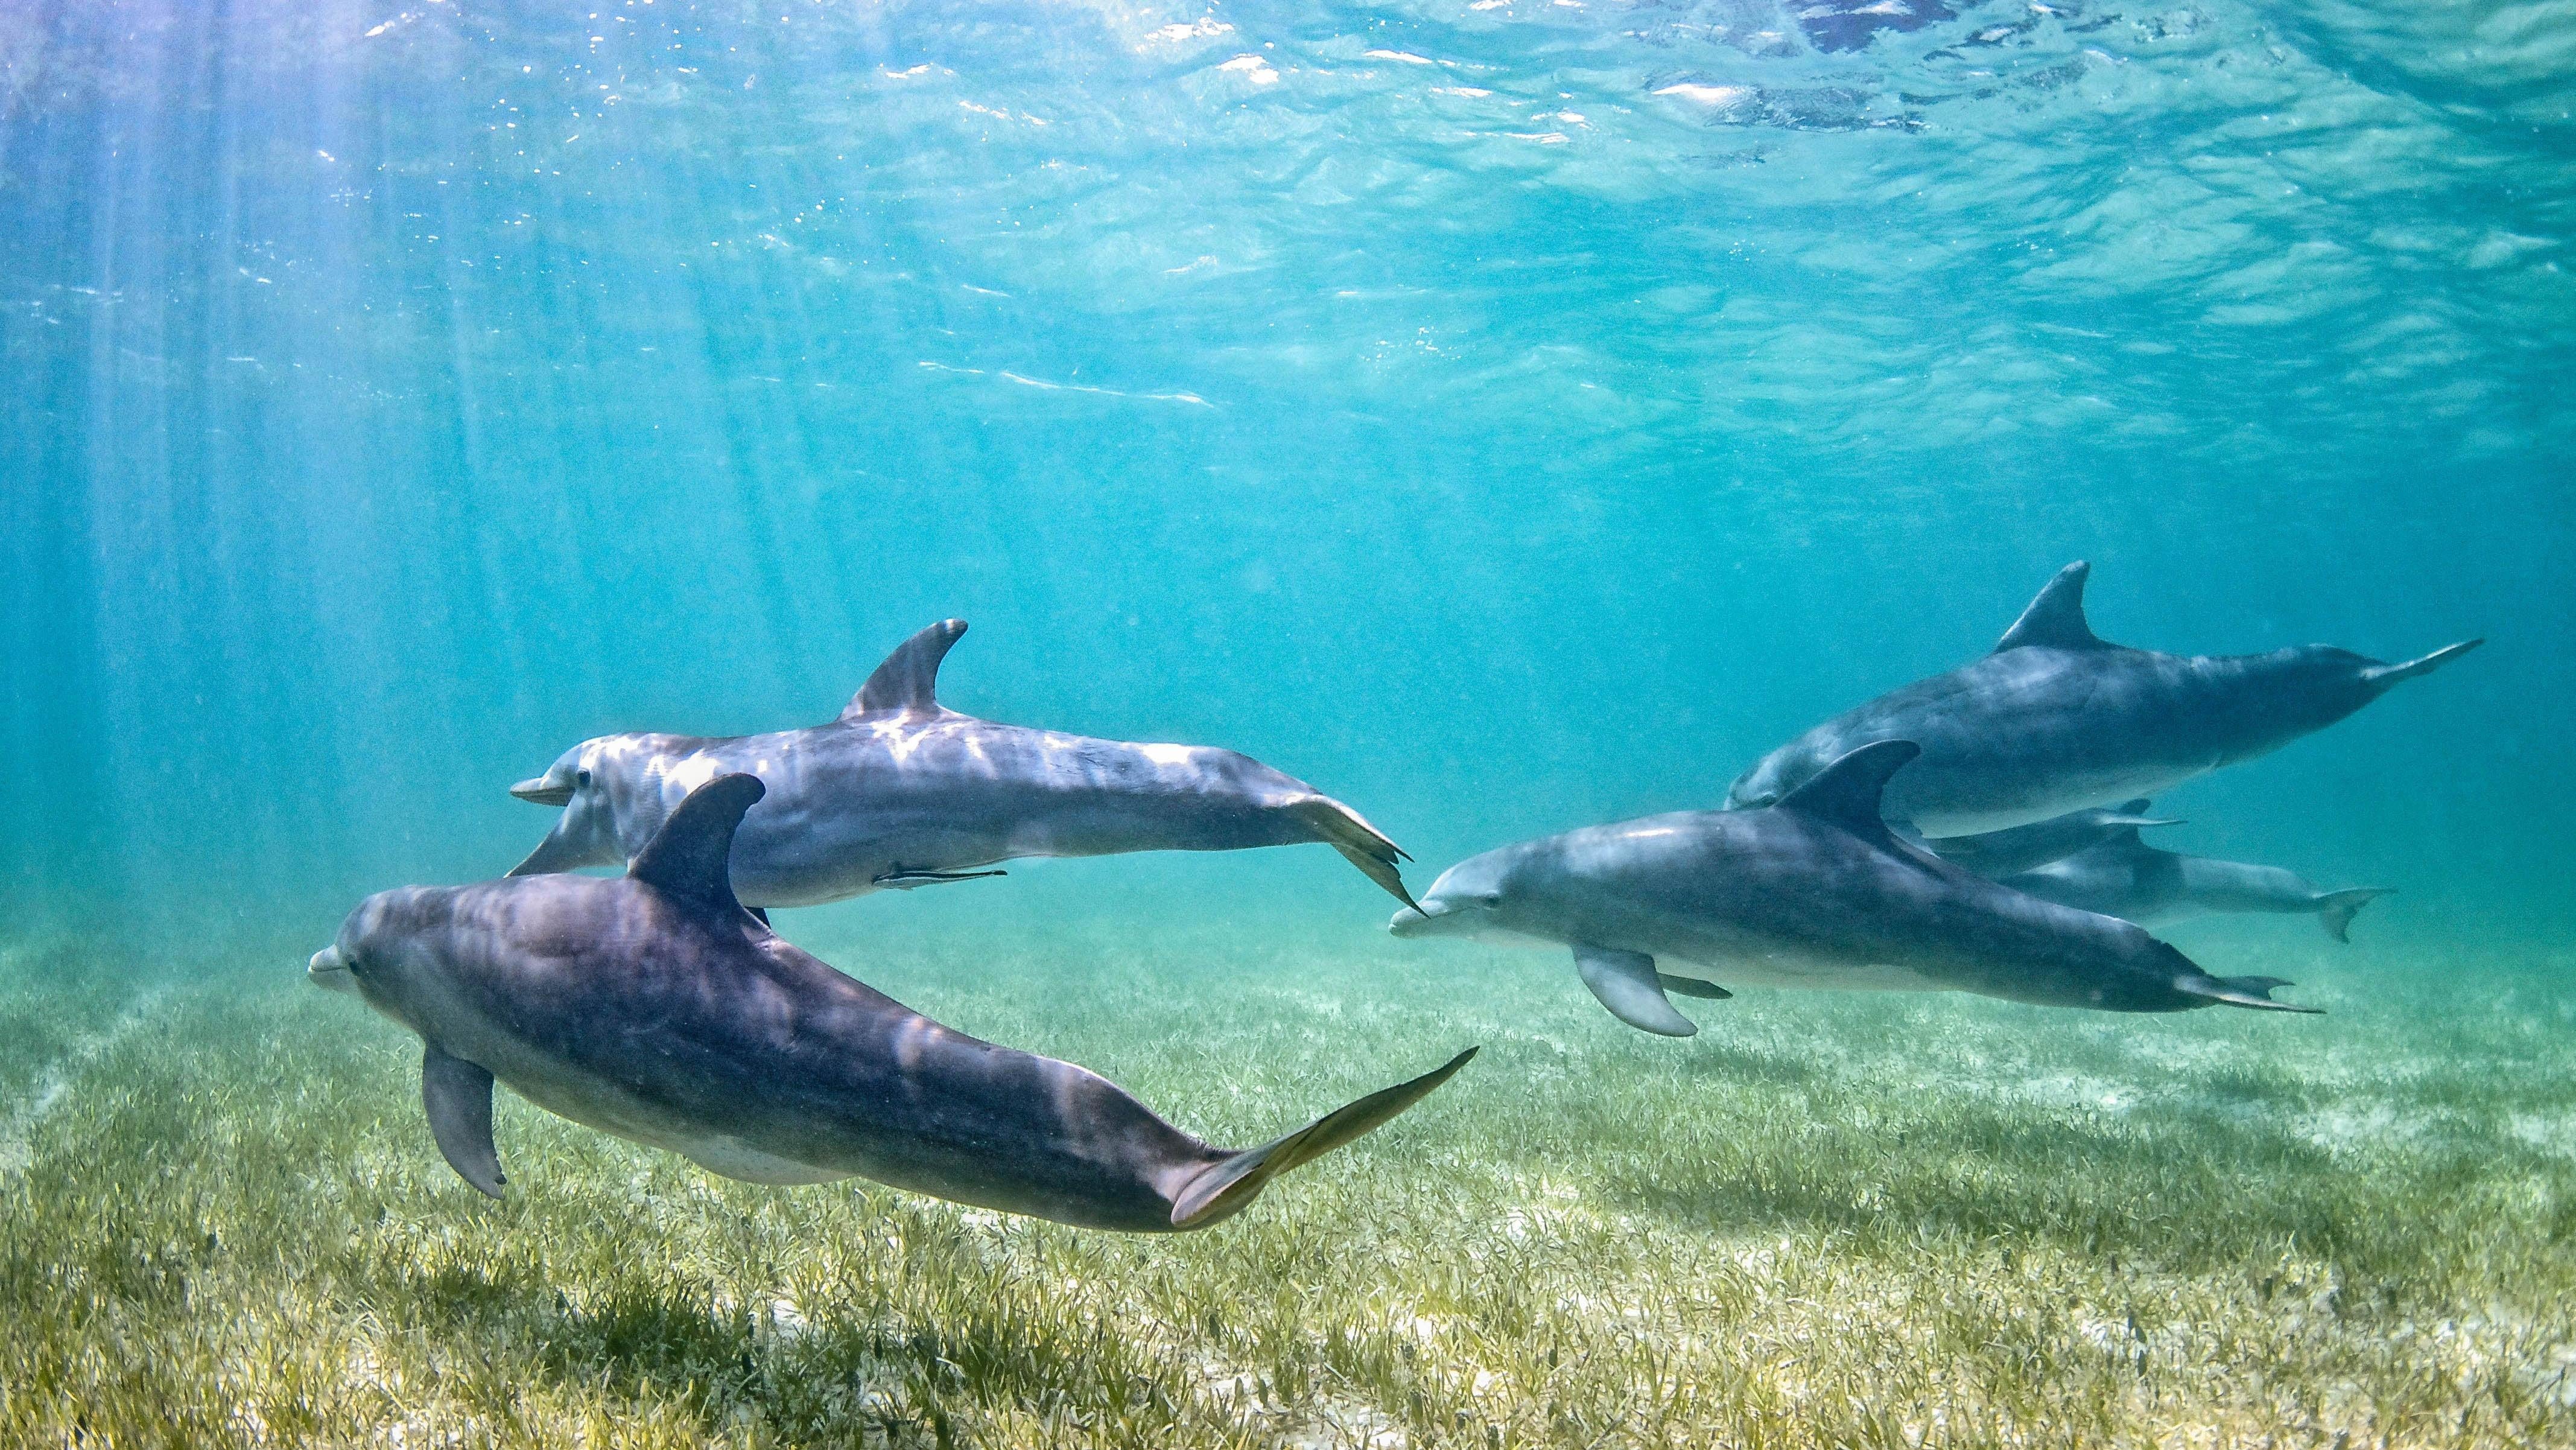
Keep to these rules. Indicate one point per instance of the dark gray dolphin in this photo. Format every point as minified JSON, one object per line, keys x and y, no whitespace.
{"x":2127,"y":878}
{"x":1997,"y":854}
{"x":655,"y":1007}
{"x":1812,"y":892}
{"x":901,"y":791}
{"x":2055,"y":719}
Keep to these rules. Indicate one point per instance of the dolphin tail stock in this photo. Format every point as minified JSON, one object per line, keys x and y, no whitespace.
{"x":1343,"y":829}
{"x":2335,"y":909}
{"x":2252,"y":992}
{"x":2380,"y":677}
{"x":1227,"y":1186}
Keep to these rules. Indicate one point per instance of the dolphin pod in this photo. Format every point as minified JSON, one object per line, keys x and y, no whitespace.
{"x":1954,"y":835}
{"x":2054,"y":720}
{"x":901,"y":791}
{"x":656,"y":1007}
{"x":1814,"y":891}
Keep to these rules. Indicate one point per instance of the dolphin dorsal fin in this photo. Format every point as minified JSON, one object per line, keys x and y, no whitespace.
{"x":2056,"y":617}
{"x":690,"y":858}
{"x":1846,"y":793}
{"x":909,"y":678}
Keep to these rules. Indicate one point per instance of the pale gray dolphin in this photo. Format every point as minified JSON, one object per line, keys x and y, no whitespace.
{"x":1812,"y":892}
{"x":1997,"y":854}
{"x":654,"y":1006}
{"x":901,"y":791}
{"x":2127,"y":878}
{"x":2055,"y":720}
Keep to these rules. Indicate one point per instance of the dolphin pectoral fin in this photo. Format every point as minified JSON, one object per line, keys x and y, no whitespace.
{"x":2336,"y":908}
{"x":1628,"y":984}
{"x":458,"y":1097}
{"x":1360,"y":843}
{"x":554,"y":854}
{"x":1225,"y":1187}
{"x":909,"y":678}
{"x":2380,"y":677}
{"x":2242,"y":992}
{"x":1692,"y":987}
{"x":900,"y":879}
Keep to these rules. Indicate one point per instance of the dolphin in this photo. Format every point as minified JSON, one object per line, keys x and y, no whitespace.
{"x":2055,"y":720}
{"x":1997,"y":854}
{"x":654,"y":1006}
{"x":2127,"y":878}
{"x":1814,"y":891}
{"x":901,"y":791}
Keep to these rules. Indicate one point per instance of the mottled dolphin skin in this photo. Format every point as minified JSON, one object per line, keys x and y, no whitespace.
{"x":1998,"y":854}
{"x":2055,"y":720}
{"x":2127,"y":878}
{"x":1812,"y":892}
{"x":901,"y":791}
{"x":654,"y":1006}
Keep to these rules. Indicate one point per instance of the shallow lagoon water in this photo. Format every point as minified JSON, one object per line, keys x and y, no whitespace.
{"x":1506,"y":419}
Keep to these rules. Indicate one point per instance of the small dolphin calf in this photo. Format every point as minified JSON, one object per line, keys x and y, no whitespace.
{"x":1997,"y":854}
{"x":2127,"y":878}
{"x":2055,"y":719}
{"x":1811,"y":892}
{"x":655,"y":1007}
{"x":901,"y":791}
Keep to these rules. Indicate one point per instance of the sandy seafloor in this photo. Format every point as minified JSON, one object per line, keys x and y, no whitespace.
{"x":1828,"y":1220}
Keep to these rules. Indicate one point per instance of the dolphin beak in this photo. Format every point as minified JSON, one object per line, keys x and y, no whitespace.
{"x":1414,"y":921}
{"x":329,"y":970}
{"x":538,"y":791}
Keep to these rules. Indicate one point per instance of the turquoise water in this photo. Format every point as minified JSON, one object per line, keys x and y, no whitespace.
{"x":1505,"y":416}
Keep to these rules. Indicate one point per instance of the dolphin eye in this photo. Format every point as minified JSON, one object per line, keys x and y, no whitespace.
{"x":581,"y":779}
{"x":1492,"y":898}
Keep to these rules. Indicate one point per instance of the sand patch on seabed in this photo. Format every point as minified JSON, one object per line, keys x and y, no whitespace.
{"x":18,"y":1129}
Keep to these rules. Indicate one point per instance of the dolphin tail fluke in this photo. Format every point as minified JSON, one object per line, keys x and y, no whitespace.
{"x":1342,"y":828}
{"x":1227,"y":1186}
{"x":2382,"y":676}
{"x":2252,"y":992}
{"x":2335,"y":909}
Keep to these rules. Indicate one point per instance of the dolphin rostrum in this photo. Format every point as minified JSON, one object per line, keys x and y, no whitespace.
{"x":1998,"y":854}
{"x":2127,"y":878}
{"x":1814,"y":891}
{"x":654,"y":1006}
{"x":901,"y":791}
{"x":2054,"y":720}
